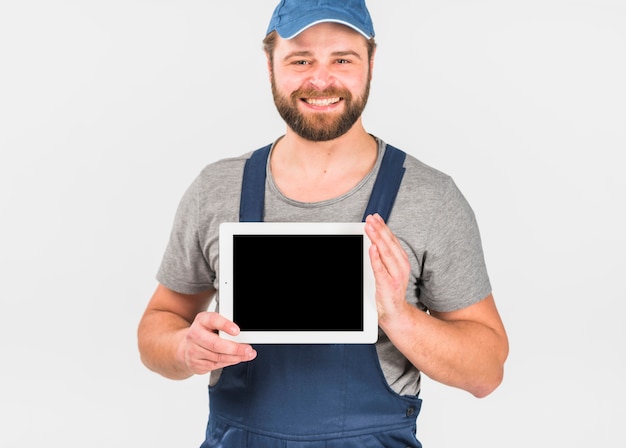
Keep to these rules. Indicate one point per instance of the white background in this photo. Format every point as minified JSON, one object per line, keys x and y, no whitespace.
{"x":108,"y":110}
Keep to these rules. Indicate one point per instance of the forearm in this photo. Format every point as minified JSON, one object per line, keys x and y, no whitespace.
{"x":160,"y":336}
{"x":465,"y":348}
{"x":460,"y":353}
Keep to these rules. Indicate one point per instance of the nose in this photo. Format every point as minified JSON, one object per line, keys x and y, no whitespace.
{"x":321,"y":77}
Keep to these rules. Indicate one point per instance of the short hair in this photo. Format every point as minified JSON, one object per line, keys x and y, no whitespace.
{"x":269,"y":43}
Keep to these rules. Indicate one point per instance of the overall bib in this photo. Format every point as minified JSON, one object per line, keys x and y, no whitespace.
{"x":311,"y":395}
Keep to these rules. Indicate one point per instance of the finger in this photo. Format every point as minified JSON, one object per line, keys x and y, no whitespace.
{"x":378,"y":231}
{"x":201,"y":359}
{"x":204,"y":333}
{"x":215,"y":322}
{"x":206,"y":350}
{"x":220,"y":353}
{"x":389,"y":252}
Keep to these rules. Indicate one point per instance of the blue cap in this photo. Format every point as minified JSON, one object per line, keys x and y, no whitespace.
{"x":291,"y":17}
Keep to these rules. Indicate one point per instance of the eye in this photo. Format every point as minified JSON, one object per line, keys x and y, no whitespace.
{"x":343,"y":61}
{"x":301,"y":62}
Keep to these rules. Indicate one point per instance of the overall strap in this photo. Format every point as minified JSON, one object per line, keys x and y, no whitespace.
{"x":381,"y":200}
{"x":387,"y":183}
{"x":253,"y":186}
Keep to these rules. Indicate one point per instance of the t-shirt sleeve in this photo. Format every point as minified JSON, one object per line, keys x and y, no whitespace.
{"x":184,"y":267}
{"x":454,"y":274}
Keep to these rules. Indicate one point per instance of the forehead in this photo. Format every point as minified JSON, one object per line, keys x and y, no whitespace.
{"x":329,"y":36}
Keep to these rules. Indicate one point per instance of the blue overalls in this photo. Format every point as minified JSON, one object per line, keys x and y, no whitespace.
{"x":311,"y":395}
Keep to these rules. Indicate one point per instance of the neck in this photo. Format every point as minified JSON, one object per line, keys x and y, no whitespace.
{"x":356,"y":143}
{"x":313,"y":171}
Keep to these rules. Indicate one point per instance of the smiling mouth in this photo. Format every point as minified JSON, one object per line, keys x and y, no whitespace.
{"x":322,"y":101}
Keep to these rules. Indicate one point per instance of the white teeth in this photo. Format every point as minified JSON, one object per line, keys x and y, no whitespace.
{"x":322,"y":101}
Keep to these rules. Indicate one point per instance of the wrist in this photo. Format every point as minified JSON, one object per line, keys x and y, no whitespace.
{"x":180,"y":354}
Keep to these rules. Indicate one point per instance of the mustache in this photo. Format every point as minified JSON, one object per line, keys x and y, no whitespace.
{"x":327,"y":93}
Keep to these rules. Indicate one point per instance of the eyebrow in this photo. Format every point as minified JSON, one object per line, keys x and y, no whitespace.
{"x":305,"y":53}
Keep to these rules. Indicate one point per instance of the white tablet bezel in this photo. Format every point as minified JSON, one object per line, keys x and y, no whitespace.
{"x":369,"y":333}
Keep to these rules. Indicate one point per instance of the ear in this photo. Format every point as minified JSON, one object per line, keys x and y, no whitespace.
{"x":269,"y":64}
{"x":372,"y":64}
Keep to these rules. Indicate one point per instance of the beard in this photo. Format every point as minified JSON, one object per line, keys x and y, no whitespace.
{"x":319,"y":127}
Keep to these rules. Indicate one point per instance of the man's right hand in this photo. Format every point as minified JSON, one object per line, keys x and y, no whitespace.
{"x":203,"y":350}
{"x":178,"y":337}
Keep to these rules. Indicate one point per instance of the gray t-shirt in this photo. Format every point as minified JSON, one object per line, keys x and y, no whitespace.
{"x":430,"y":217}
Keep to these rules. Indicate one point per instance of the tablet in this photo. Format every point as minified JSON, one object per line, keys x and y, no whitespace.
{"x":297,"y":283}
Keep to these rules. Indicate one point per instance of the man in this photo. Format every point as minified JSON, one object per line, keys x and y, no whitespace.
{"x":436,"y":313}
